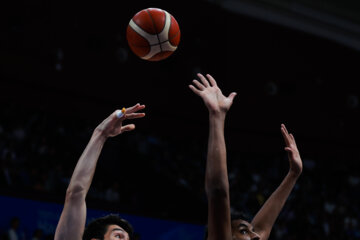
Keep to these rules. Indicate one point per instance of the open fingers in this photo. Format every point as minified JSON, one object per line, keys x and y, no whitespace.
{"x":290,"y":135}
{"x":283,"y":126}
{"x":204,"y":81}
{"x":135,"y":108}
{"x":212,"y":80}
{"x":134,"y":115}
{"x":198,"y":84}
{"x":285,"y":135}
{"x":194,"y":89}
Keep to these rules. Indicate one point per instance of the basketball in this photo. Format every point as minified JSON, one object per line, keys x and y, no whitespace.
{"x":153,"y":34}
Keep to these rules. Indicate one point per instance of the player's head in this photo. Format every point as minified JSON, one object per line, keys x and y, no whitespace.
{"x":110,"y":227}
{"x":241,"y":228}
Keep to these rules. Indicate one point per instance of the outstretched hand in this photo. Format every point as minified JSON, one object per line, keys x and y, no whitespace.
{"x":113,"y":126}
{"x":213,"y":98}
{"x":295,"y":162}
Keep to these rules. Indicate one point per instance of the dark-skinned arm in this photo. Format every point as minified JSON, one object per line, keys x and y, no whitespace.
{"x":265,"y":218}
{"x":216,"y":176}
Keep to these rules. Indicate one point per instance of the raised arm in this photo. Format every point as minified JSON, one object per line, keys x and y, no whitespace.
{"x":265,"y":218}
{"x":73,"y":217}
{"x":216,"y":177}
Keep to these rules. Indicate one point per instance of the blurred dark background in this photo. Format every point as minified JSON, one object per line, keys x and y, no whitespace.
{"x":64,"y":67}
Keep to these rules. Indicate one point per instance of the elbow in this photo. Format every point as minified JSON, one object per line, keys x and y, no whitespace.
{"x":75,"y":193}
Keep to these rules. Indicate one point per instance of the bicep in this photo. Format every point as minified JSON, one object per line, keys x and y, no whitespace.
{"x":72,"y":220}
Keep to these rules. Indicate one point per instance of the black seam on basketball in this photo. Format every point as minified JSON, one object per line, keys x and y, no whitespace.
{"x":174,"y":35}
{"x":169,"y":40}
{"x":157,"y":35}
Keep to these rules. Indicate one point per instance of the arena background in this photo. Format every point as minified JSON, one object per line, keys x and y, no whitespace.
{"x":65,"y":66}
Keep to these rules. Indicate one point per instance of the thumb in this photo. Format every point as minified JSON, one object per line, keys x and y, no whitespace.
{"x":232,"y":96}
{"x":290,"y":153}
{"x":128,"y":127}
{"x":287,"y":149}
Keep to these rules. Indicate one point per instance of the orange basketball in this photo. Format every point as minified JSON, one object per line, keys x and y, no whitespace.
{"x":153,"y":34}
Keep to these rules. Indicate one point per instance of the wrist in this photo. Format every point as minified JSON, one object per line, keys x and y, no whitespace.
{"x":217,"y":114}
{"x":99,"y":134}
{"x":294,"y":174}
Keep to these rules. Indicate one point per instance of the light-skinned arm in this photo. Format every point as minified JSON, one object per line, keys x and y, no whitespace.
{"x":73,"y":217}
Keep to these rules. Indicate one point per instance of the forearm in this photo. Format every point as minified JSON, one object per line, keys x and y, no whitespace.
{"x":85,"y":168}
{"x":216,"y":180}
{"x":265,"y":218}
{"x":72,"y":220}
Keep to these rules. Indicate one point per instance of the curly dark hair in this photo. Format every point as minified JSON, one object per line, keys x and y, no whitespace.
{"x":234,"y":216}
{"x":98,"y":227}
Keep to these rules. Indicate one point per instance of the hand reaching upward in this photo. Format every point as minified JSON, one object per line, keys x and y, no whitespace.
{"x":73,"y":217}
{"x":211,"y":94}
{"x":113,"y":126}
{"x":216,"y":177}
{"x":293,"y":152}
{"x":264,"y":220}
